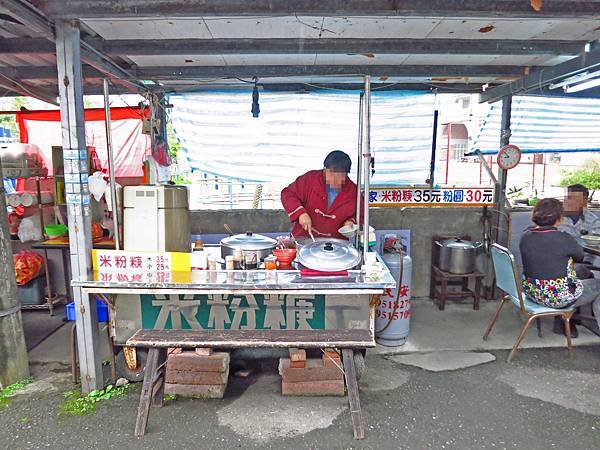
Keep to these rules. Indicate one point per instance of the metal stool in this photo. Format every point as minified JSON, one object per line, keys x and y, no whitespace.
{"x":102,"y":318}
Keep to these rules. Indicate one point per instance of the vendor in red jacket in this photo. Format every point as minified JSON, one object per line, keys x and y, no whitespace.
{"x":322,"y":201}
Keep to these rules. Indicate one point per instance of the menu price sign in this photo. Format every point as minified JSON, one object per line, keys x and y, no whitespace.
{"x":139,"y":262}
{"x":426,"y":196}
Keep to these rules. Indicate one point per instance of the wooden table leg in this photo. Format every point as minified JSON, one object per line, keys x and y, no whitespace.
{"x":158,"y":394}
{"x":353,"y":398}
{"x":443,"y":293}
{"x":147,"y":391}
{"x":477,"y":296}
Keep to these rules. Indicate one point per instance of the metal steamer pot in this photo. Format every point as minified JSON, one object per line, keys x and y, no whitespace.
{"x":328,"y":255}
{"x":262,"y":245}
{"x":458,"y":256}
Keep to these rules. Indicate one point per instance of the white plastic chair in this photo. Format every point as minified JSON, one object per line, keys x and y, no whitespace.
{"x":508,"y":280}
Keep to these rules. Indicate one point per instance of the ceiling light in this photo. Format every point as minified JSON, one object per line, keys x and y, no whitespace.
{"x":583,"y":86}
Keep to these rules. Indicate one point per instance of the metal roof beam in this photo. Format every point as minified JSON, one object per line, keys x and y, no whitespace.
{"x":27,"y":90}
{"x":199,"y":72}
{"x":29,"y":16}
{"x":133,"y":47}
{"x":423,"y":8}
{"x":540,"y":78}
{"x":339,"y":46}
{"x":326,"y":70}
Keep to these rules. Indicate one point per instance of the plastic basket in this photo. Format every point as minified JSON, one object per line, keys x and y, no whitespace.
{"x":101,"y":307}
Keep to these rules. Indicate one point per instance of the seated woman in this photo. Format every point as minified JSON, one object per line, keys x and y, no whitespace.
{"x":548,"y":256}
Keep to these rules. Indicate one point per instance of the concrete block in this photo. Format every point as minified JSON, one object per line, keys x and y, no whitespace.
{"x":193,"y":377}
{"x":204,"y":351}
{"x":314,"y":371}
{"x":204,"y":391}
{"x":190,"y":361}
{"x":331,"y":358}
{"x":314,"y":388}
{"x":298,"y":364}
{"x":297,"y":354}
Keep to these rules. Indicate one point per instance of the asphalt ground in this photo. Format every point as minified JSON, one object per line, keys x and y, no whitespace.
{"x":543,"y":399}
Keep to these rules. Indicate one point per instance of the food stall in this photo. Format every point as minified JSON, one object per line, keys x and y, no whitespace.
{"x":326,"y":299}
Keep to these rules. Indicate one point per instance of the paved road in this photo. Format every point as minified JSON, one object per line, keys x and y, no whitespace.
{"x":542,"y":400}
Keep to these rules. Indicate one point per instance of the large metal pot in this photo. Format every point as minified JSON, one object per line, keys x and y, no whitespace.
{"x":262,"y":245}
{"x":457,"y":256}
{"x":328,"y":255}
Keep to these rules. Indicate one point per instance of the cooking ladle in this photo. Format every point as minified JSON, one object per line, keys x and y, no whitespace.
{"x":228,"y":229}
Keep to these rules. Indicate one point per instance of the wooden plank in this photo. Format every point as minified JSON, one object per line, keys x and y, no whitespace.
{"x":252,"y":338}
{"x":353,"y":397}
{"x":147,"y":391}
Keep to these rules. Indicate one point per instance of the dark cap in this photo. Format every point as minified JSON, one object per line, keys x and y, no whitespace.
{"x":338,"y":161}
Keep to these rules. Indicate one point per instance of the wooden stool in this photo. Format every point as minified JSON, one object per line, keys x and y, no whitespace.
{"x":446,"y":278}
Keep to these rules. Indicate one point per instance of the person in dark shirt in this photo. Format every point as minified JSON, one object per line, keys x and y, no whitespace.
{"x":548,"y":256}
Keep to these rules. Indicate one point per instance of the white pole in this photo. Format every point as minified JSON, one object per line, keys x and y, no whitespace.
{"x":111,"y":167}
{"x":366,"y":162}
{"x":359,"y":163}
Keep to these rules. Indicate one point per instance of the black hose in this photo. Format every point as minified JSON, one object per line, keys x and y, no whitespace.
{"x":397,"y":295}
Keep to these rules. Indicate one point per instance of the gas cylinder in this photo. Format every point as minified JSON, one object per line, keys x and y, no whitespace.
{"x":393,"y":309}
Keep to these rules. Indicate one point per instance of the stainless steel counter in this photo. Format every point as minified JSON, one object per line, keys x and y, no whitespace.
{"x":237,"y":280}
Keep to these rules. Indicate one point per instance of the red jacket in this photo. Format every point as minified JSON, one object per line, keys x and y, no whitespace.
{"x":308,"y":194}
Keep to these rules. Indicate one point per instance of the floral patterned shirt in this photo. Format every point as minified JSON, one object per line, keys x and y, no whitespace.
{"x":557,"y":293}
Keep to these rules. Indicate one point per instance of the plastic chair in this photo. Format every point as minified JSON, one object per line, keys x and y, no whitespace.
{"x":508,"y":280}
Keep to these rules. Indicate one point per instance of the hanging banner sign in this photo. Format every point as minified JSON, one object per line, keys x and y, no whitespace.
{"x":426,"y":196}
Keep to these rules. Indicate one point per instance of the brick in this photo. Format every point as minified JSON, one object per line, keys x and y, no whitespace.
{"x":189,"y":377}
{"x":331,"y":358}
{"x":314,"y":388}
{"x":314,"y":371}
{"x":204,"y":391}
{"x":297,"y":354}
{"x":174,"y":351}
{"x":204,"y":351}
{"x":217,"y":362}
{"x":298,"y":364}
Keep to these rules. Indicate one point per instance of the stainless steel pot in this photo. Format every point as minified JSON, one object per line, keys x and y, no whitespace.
{"x":457,"y":256}
{"x":262,"y":245}
{"x":328,"y":255}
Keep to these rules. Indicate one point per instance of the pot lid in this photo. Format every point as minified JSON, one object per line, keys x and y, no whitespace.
{"x":327,"y":254}
{"x":249,"y":241}
{"x":460,"y":244}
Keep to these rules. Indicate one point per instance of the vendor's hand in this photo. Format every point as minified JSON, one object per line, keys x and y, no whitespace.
{"x":305,"y":222}
{"x":348,"y":223}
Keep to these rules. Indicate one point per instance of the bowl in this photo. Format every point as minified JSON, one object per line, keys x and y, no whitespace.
{"x":56,"y":230}
{"x":285,"y":256}
{"x":591,"y":239}
{"x":348,"y":231}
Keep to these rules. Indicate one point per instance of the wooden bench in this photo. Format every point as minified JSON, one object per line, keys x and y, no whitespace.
{"x":158,"y":341}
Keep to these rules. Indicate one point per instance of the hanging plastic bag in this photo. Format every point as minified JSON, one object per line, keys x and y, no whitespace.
{"x":30,"y":229}
{"x":97,"y":185}
{"x":28,"y":265}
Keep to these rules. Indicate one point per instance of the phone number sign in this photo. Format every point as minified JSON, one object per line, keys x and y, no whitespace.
{"x":398,"y":197}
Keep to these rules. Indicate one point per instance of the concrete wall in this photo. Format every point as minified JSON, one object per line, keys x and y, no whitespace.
{"x":424,"y":223}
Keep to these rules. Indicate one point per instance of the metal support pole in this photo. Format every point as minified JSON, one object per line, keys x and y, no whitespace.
{"x":359,"y":162}
{"x":449,"y":138}
{"x":366,"y":162}
{"x":75,"y":155}
{"x":111,"y":167}
{"x":505,"y":132}
{"x":431,"y":180}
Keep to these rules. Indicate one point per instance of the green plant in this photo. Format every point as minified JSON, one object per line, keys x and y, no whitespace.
{"x":76,"y":404}
{"x":9,"y":391}
{"x":588,"y":175}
